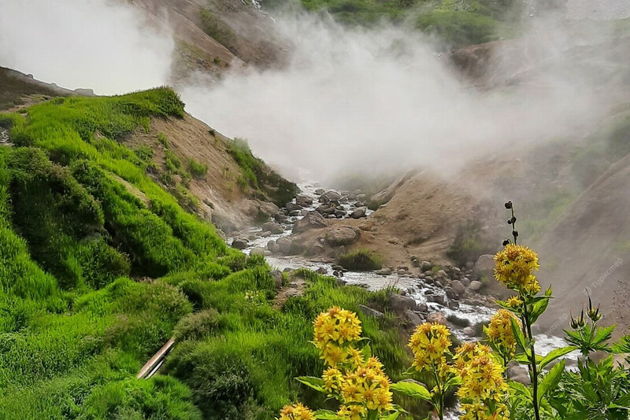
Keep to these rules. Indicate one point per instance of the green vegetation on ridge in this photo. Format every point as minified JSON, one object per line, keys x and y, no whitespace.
{"x":96,"y":274}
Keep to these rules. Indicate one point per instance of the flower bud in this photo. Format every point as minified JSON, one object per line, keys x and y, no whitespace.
{"x":508,"y":205}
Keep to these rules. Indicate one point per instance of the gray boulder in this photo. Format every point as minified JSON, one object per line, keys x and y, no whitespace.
{"x":304,"y":200}
{"x":272,"y":227}
{"x":371,"y":312}
{"x":358,"y":212}
{"x":312,"y":220}
{"x":475,"y":285}
{"x":330,"y":196}
{"x":342,"y":235}
{"x":400,"y":303}
{"x":240,"y":243}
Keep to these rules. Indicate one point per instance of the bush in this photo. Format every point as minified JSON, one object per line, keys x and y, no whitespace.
{"x":197,"y":169}
{"x":360,"y":260}
{"x":469,"y":243}
{"x":198,"y":325}
{"x":158,"y":398}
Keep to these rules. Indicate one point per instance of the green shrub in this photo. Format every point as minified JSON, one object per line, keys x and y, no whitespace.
{"x":457,"y":27}
{"x":158,"y":398}
{"x":197,"y":169}
{"x":197,"y":325}
{"x":360,"y":260}
{"x":469,"y":243}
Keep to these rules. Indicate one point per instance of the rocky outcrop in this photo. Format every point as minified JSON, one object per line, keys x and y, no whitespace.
{"x":312,"y":220}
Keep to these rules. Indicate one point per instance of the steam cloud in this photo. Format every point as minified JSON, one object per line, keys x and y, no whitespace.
{"x":373,"y":100}
{"x":96,"y":44}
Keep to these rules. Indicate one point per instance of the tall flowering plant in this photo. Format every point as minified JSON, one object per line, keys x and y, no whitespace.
{"x":353,"y":377}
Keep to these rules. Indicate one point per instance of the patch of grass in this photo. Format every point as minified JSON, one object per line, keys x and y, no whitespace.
{"x":219,"y":30}
{"x":197,"y":169}
{"x":361,"y":260}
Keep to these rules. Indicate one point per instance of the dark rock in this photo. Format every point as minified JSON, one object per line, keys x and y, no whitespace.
{"x":330,"y":196}
{"x":319,"y":191}
{"x":272,"y":227}
{"x":384,"y":271}
{"x":292,"y":207}
{"x":313,"y":220}
{"x":358,"y":212}
{"x":240,"y":243}
{"x":439,"y":299}
{"x":303,"y":201}
{"x":413,"y":317}
{"x":451,"y":293}
{"x":322,"y":270}
{"x":458,"y":287}
{"x":453,"y":304}
{"x":401,"y":303}
{"x":426,"y":266}
{"x":460,"y":322}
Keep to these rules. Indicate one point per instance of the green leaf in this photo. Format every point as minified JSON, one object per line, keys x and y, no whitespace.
{"x":519,"y":388}
{"x":518,"y":333}
{"x":313,"y":382}
{"x":392,"y":416}
{"x":551,"y":379}
{"x":412,"y":389}
{"x":553,"y":355}
{"x":540,"y":306}
{"x":366,"y":351}
{"x":602,"y":334}
{"x":622,"y":346}
{"x":326,"y":415}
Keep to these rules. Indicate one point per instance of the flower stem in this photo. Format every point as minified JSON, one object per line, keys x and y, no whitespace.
{"x":532,"y":361}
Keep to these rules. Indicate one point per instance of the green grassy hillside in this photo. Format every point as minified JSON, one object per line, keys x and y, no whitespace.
{"x":99,"y":266}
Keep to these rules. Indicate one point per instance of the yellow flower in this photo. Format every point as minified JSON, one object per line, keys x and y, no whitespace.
{"x":500,"y":333}
{"x":482,"y":376}
{"x":514,"y":266}
{"x":333,"y":379}
{"x":429,"y":343}
{"x":352,"y":412}
{"x":337,"y":326}
{"x":369,"y":386}
{"x":479,"y":411}
{"x":296,"y":412}
{"x":514,"y":302}
{"x":333,"y":354}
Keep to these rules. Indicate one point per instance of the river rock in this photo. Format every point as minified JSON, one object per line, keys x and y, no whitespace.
{"x":319,"y":191}
{"x":426,"y":266}
{"x":465,"y":281}
{"x":259,"y":251}
{"x":437,"y":317}
{"x":272,"y":227}
{"x":413,"y":317}
{"x":326,"y":209}
{"x":358,"y":212}
{"x":284,"y":245}
{"x":273,"y":247}
{"x":423,"y":308}
{"x":439,"y":299}
{"x":384,"y":271}
{"x":240,"y":243}
{"x":469,"y":331}
{"x":303,"y":200}
{"x":292,"y":207}
{"x":458,"y":287}
{"x":322,"y":270}
{"x":340,"y":213}
{"x":475,"y":285}
{"x":400,"y":303}
{"x":314,"y":249}
{"x":342,"y":235}
{"x":329,"y":196}
{"x":312,"y":220}
{"x":451,"y":293}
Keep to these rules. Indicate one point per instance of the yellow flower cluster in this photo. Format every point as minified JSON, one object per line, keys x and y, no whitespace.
{"x":334,"y":329}
{"x":429,"y":344}
{"x":482,"y":380}
{"x":514,"y":266}
{"x":352,"y":412}
{"x":500,"y":333}
{"x":296,"y":412}
{"x":514,"y":302}
{"x":368,"y":385}
{"x":479,"y":411}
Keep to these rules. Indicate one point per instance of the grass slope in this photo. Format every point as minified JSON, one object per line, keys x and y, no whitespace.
{"x":96,"y":274}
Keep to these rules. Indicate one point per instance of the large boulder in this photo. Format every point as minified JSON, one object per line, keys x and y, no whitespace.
{"x":358,"y":212}
{"x":284,"y":245}
{"x":458,"y":287}
{"x":312,"y":220}
{"x":240,"y":243}
{"x":437,"y":317}
{"x":329,"y":196}
{"x":272,"y":227}
{"x":303,"y":200}
{"x":342,"y":235}
{"x":400,"y":303}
